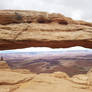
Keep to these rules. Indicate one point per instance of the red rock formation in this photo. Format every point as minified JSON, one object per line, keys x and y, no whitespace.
{"x":17,"y":16}
{"x":20,"y":29}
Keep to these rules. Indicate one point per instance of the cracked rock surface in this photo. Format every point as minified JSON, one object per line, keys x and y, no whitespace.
{"x":20,"y":80}
{"x":20,"y":29}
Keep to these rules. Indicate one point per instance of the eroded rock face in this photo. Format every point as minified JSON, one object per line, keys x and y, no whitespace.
{"x":17,"y":82}
{"x":11,"y":78}
{"x":4,"y":65}
{"x":89,"y":74}
{"x":20,"y":29}
{"x":19,"y":16}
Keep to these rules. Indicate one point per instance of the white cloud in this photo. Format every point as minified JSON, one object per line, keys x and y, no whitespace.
{"x":37,"y":49}
{"x":77,"y":9}
{"x":46,"y":49}
{"x":77,"y":15}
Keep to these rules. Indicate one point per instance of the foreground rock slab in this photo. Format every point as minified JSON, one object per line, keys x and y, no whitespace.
{"x":11,"y":78}
{"x":21,"y":29}
{"x":18,"y":82}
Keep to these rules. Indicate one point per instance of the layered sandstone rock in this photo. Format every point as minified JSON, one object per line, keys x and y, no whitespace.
{"x":11,"y":81}
{"x":11,"y":78}
{"x":19,"y":16}
{"x":89,"y":74}
{"x":20,"y":29}
{"x":80,"y":79}
{"x":60,"y":75}
{"x":4,"y":65}
{"x":21,"y":80}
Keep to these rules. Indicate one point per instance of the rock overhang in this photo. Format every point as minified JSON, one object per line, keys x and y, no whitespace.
{"x":22,"y":29}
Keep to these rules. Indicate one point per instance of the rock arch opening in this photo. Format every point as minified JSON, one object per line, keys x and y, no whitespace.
{"x":50,"y":60}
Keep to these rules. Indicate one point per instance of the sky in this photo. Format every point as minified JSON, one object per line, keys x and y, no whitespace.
{"x":46,"y":49}
{"x":77,"y":9}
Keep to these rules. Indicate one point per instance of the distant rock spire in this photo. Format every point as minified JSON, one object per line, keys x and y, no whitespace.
{"x":1,"y":59}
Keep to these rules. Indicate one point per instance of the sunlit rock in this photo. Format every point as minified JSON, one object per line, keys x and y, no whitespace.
{"x":21,"y":29}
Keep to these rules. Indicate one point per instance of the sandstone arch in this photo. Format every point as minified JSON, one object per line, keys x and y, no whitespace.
{"x":21,"y":34}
